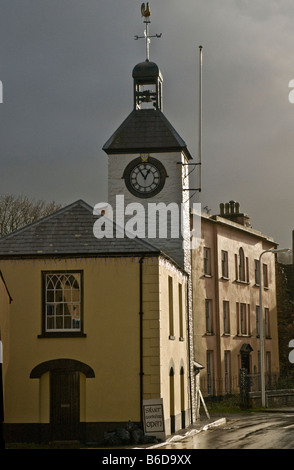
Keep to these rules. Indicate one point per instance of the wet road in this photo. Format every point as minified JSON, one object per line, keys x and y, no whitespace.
{"x":253,"y":431}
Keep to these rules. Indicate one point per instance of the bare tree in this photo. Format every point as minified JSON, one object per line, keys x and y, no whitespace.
{"x":18,"y":211}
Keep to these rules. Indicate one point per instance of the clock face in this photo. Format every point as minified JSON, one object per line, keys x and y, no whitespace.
{"x":145,"y":178}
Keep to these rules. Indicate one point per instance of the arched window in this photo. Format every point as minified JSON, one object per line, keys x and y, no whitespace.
{"x":182,"y":394}
{"x":62,"y":303}
{"x":241,"y":266}
{"x":172,"y":399}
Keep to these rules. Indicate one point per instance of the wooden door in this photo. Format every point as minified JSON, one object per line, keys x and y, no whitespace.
{"x":245,"y":361}
{"x":64,"y":404}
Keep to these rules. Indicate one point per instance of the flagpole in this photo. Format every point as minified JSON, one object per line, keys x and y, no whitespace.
{"x":200,"y":118}
{"x":147,"y":40}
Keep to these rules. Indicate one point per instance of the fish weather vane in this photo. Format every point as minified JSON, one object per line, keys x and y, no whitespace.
{"x":145,"y":11}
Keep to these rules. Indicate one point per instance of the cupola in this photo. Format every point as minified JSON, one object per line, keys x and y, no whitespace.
{"x":147,"y":86}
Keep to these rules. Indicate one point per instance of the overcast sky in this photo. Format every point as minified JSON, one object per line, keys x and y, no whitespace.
{"x":66,"y":69}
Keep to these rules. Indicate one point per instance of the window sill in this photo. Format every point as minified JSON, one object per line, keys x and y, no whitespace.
{"x":63,"y":334}
{"x":264,"y":287}
{"x":226,"y":334}
{"x":181,"y":338}
{"x":224,"y":278}
{"x":209,"y":333}
{"x":209,"y":276}
{"x":172,"y":337}
{"x":244,"y":283}
{"x":243,"y":335}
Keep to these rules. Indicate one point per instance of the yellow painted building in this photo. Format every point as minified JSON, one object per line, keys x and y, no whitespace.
{"x":92,"y":331}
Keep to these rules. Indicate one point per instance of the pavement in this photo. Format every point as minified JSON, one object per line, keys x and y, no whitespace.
{"x":208,"y":424}
{"x":184,"y":433}
{"x":284,"y":409}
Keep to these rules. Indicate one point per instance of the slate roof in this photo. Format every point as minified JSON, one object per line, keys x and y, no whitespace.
{"x":146,"y":130}
{"x":68,"y":231}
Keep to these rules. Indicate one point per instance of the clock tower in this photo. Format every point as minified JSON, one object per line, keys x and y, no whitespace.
{"x":148,"y":174}
{"x":148,"y":167}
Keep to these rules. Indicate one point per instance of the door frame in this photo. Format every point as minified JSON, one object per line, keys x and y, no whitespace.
{"x":64,"y":404}
{"x":60,"y":364}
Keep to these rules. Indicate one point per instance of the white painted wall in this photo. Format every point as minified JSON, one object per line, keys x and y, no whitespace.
{"x":172,"y":192}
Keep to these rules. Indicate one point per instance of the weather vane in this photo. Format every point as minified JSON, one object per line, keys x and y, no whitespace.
{"x":145,"y":10}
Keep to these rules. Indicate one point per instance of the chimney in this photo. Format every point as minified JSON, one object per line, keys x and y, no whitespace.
{"x":231,"y":210}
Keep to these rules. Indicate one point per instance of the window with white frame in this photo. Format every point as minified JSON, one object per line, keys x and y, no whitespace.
{"x":256,"y":272}
{"x":62,"y":302}
{"x":241,"y":266}
{"x":268,"y":362}
{"x":243,"y":318}
{"x":226,"y":316}
{"x":181,"y":318}
{"x":208,"y":315}
{"x":243,"y":322}
{"x":207,"y":261}
{"x":267,"y":323}
{"x":257,"y":321}
{"x":225,"y":264}
{"x":171,"y":307}
{"x":209,"y":372}
{"x":265,"y":275}
{"x":227,"y":360}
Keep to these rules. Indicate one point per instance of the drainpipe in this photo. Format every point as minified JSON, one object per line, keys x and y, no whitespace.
{"x":141,"y":334}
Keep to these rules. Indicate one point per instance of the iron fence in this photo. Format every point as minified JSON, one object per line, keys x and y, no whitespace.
{"x":224,"y":386}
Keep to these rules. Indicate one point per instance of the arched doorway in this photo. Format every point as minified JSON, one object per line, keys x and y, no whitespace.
{"x":64,"y":395}
{"x":245,"y":351}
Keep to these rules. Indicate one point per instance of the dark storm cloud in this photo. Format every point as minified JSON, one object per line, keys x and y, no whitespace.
{"x":66,"y":70}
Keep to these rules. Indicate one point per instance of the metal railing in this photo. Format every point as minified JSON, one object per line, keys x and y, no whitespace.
{"x":231,"y":385}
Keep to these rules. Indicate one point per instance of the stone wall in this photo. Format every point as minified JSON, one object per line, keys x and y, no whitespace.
{"x":274,"y":398}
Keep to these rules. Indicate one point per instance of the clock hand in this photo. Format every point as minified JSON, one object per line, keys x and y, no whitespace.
{"x":147,"y":173}
{"x":142,"y":173}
